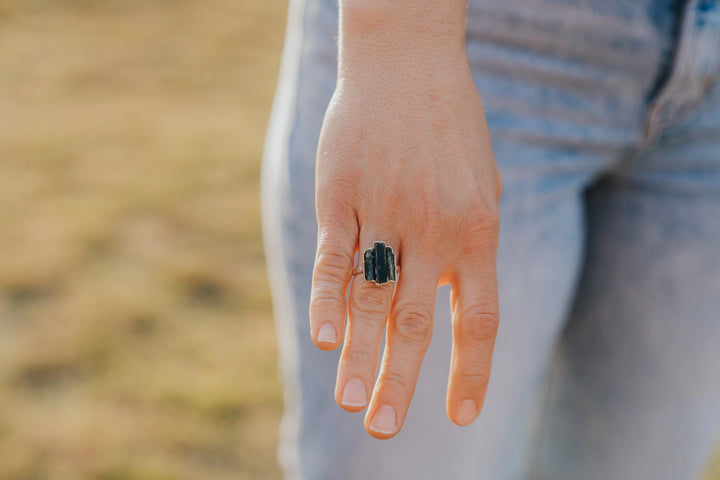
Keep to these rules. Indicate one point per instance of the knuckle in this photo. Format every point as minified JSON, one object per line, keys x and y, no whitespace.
{"x":398,"y":382}
{"x":481,"y":231}
{"x":370,"y":300}
{"x":337,"y":191}
{"x":337,"y":215}
{"x":430,"y":217}
{"x":436,"y":230}
{"x":473,"y":380}
{"x":414,"y":324}
{"x":477,"y":324}
{"x":359,"y":356}
{"x":484,"y":220}
{"x":326,"y":300}
{"x":337,"y":232}
{"x":437,"y":216}
{"x":333,"y":266}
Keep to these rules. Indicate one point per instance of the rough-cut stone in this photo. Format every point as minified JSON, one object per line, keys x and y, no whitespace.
{"x":390,"y":262}
{"x":379,"y":264}
{"x":369,"y":264}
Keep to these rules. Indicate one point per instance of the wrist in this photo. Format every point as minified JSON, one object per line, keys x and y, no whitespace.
{"x":431,"y":16}
{"x":392,"y":33}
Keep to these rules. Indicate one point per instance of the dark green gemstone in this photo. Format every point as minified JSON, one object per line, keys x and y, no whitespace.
{"x":390,"y":262}
{"x":379,"y":264}
{"x":369,"y":265}
{"x":381,"y":274}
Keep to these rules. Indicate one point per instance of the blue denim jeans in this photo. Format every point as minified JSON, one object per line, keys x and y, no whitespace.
{"x":605,"y":121}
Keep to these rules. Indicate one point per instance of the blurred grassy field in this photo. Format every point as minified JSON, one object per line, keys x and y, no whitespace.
{"x":136,"y":338}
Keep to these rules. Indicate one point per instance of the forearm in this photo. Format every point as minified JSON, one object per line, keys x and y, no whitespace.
{"x":393,"y":33}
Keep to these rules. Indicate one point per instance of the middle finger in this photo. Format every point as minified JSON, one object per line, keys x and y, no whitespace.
{"x":368,"y":310}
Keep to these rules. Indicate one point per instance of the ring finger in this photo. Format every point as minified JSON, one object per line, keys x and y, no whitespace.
{"x":408,"y":336}
{"x":369,"y":307}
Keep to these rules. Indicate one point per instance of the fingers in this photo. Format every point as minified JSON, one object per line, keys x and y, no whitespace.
{"x":331,"y":276}
{"x":408,"y":336}
{"x":474,"y":305}
{"x":368,"y":313}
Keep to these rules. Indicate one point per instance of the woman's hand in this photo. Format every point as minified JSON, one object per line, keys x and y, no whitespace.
{"x":405,"y":158}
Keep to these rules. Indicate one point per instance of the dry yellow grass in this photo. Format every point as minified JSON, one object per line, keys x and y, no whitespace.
{"x":136,"y":339}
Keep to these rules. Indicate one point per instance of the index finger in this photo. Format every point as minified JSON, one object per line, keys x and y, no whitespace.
{"x":334,"y":260}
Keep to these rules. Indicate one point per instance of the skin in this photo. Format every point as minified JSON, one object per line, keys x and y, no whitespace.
{"x":405,"y":157}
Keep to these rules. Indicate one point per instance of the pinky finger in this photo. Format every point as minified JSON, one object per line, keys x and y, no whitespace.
{"x":474,"y":327}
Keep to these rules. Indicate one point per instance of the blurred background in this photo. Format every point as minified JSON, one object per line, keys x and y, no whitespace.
{"x":136,"y":336}
{"x":136,"y":333}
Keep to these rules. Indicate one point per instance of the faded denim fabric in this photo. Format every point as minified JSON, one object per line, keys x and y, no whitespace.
{"x":605,"y":121}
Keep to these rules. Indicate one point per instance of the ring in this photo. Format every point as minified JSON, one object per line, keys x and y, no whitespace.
{"x":379,"y":264}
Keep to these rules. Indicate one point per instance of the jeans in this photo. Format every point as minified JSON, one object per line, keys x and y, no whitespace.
{"x":605,"y":122}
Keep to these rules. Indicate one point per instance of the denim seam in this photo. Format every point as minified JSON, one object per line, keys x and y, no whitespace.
{"x":656,"y":116}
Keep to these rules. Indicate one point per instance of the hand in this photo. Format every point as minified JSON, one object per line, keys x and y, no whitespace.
{"x":405,"y":158}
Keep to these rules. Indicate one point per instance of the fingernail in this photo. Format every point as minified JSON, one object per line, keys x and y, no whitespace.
{"x":354,"y":394}
{"x":385,"y":420}
{"x":466,"y":412}
{"x":327,"y":334}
